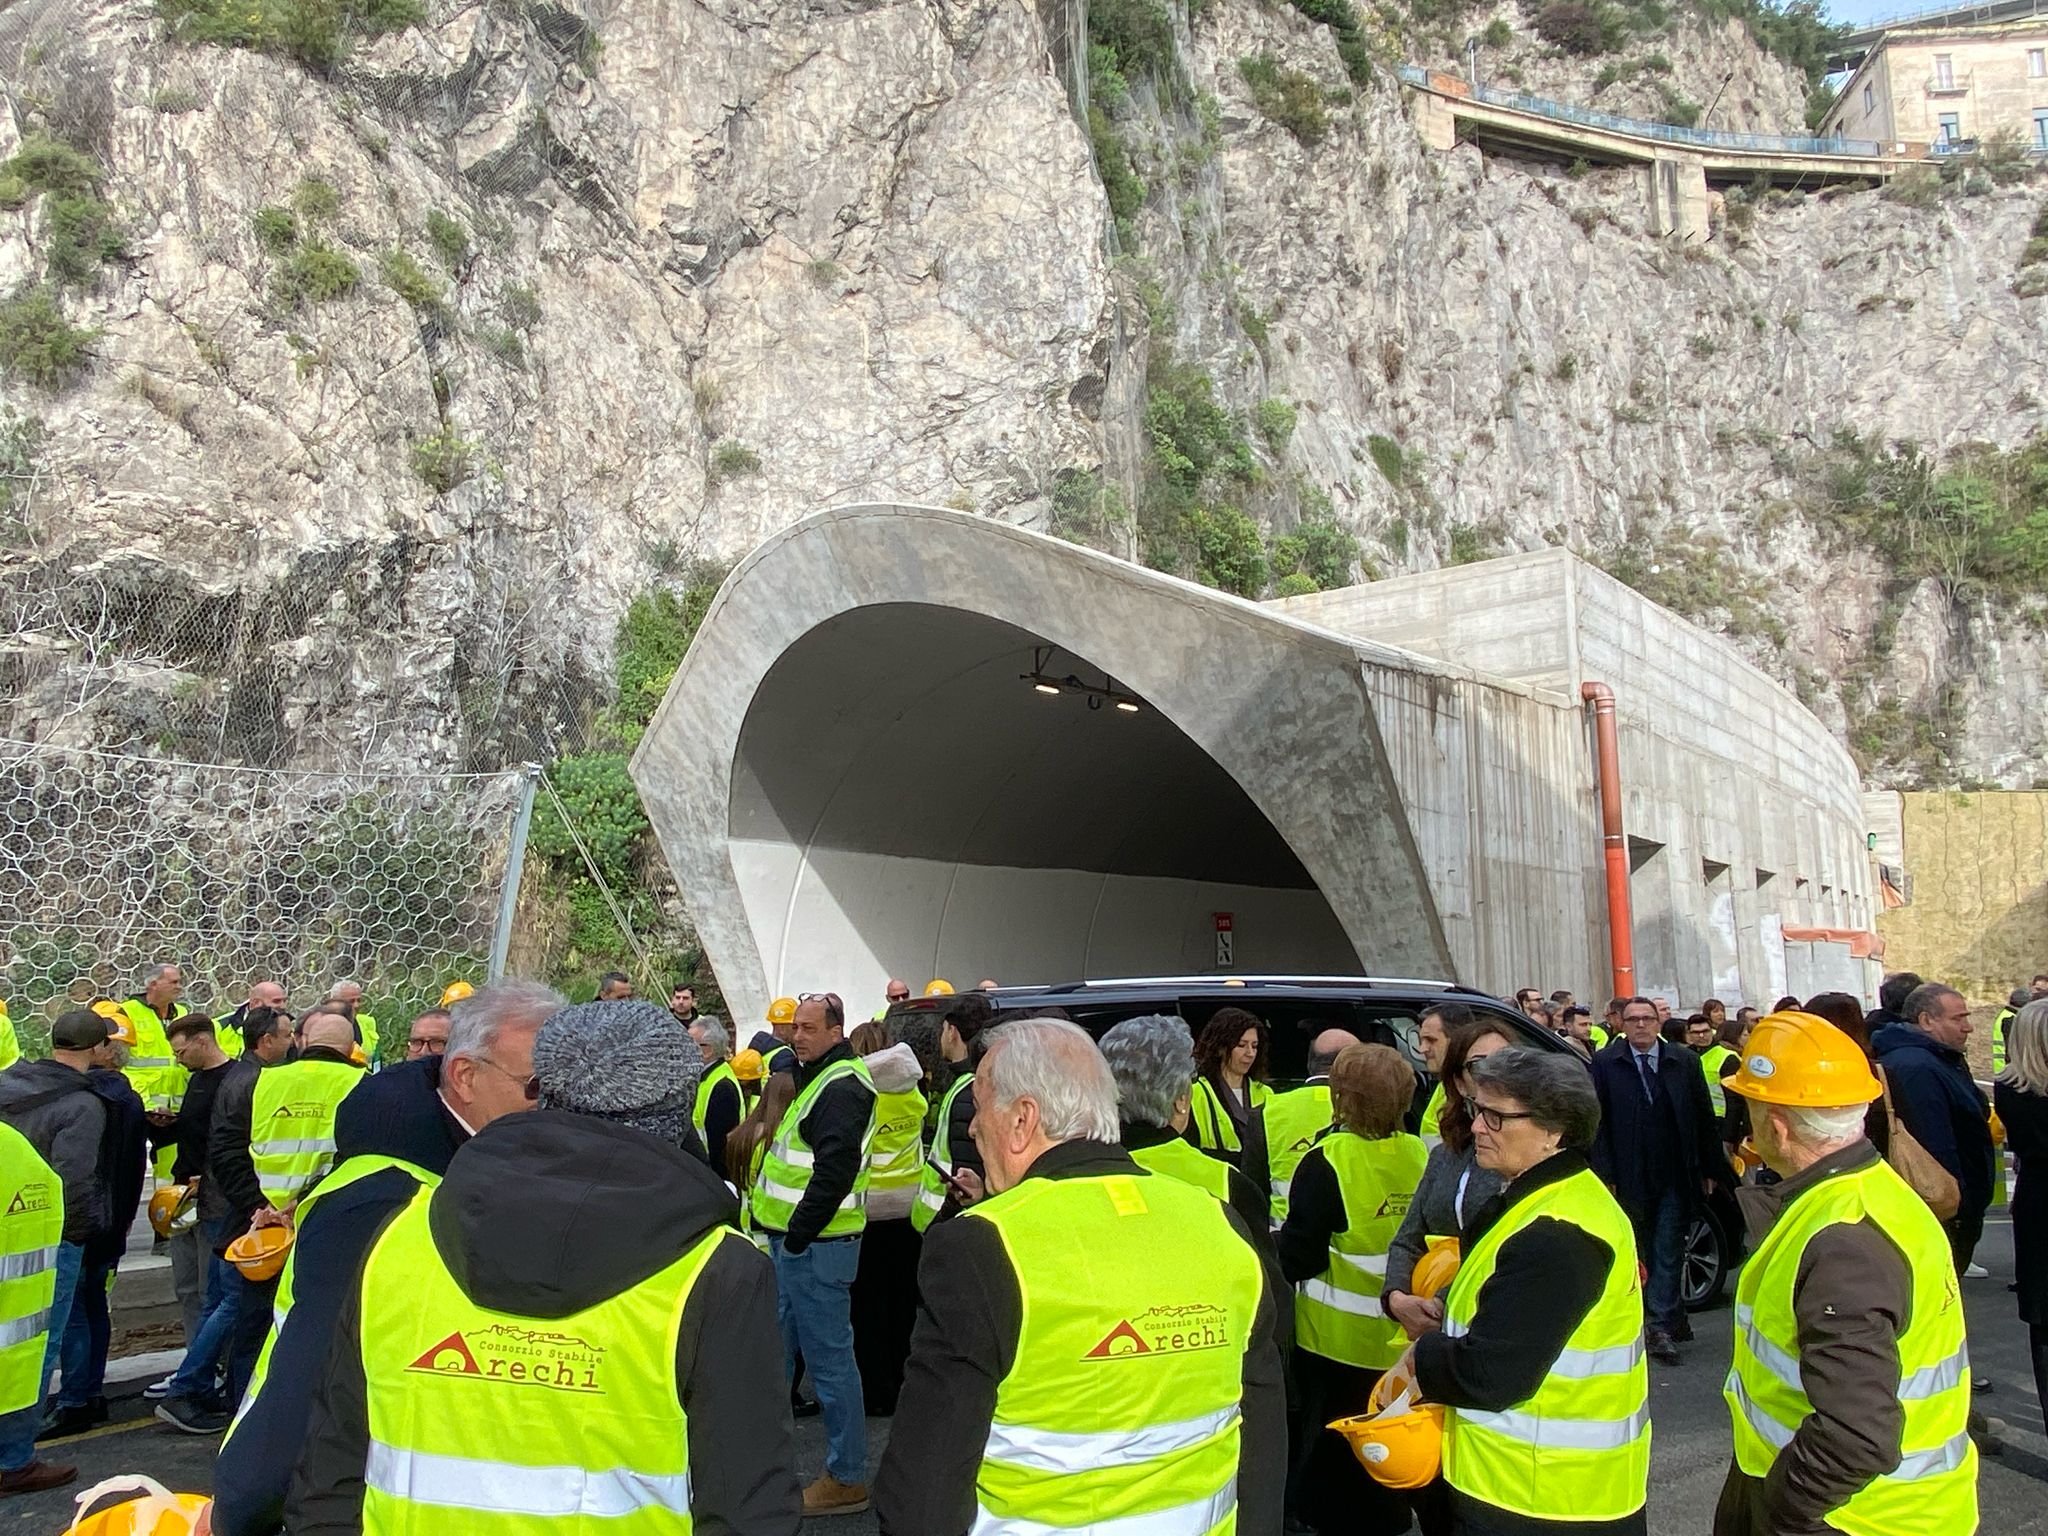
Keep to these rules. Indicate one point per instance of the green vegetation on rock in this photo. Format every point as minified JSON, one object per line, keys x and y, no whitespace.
{"x":1287,"y":96}
{"x":79,"y":230}
{"x":37,"y":344}
{"x":315,"y":33}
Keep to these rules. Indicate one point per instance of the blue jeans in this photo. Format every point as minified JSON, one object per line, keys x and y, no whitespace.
{"x":86,"y":1336}
{"x":198,"y":1371}
{"x":1661,"y":1234}
{"x":18,"y":1429}
{"x":814,"y":1305}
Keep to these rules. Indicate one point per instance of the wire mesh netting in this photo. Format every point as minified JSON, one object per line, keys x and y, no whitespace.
{"x":112,"y":863}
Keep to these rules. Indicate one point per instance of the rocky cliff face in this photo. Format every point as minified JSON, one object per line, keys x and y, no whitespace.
{"x":636,"y":284}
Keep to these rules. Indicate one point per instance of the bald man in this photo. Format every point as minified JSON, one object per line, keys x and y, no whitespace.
{"x":1282,"y":1128}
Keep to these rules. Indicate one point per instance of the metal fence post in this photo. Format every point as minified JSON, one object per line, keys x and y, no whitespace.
{"x":515,"y":866}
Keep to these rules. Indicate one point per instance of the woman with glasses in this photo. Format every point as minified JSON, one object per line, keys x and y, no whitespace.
{"x":1539,"y":1362}
{"x":1343,"y":1205}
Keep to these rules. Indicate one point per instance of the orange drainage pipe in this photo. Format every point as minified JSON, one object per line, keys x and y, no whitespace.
{"x":1621,"y":946}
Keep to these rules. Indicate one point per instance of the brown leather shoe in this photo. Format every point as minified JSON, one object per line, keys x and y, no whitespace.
{"x":39,"y":1476}
{"x":829,"y":1496}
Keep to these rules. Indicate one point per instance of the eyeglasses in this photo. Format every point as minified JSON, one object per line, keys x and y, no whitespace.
{"x":529,"y":1085}
{"x":1496,"y":1119}
{"x":426,"y":1045}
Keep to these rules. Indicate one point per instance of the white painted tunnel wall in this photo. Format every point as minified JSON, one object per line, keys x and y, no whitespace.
{"x":859,"y":918}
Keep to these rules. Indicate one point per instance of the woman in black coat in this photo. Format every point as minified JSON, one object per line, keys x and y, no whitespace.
{"x":2020,"y":1097}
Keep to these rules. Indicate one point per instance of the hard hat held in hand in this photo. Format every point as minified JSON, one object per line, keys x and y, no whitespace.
{"x":158,"y":1512}
{"x":1802,"y":1061}
{"x":259,"y":1252}
{"x":1399,"y":1444}
{"x":174,"y":1209}
{"x":1435,"y":1270}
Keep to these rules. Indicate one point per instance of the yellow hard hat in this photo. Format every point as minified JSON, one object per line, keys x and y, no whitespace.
{"x":157,"y":1512}
{"x":939,"y":988}
{"x":124,"y":1027}
{"x":455,"y":992}
{"x":259,"y":1252}
{"x":1400,"y":1450}
{"x":3,"y":1007}
{"x":782,"y":1011}
{"x":1437,"y":1267}
{"x":1802,"y":1061}
{"x":173,"y":1209}
{"x":747,"y":1065}
{"x":1747,"y":1157}
{"x":1997,"y":1129}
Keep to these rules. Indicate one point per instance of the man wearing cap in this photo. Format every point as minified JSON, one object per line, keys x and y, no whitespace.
{"x":387,"y":1147}
{"x":1850,"y":1391}
{"x":636,"y":1380}
{"x":52,"y":1104}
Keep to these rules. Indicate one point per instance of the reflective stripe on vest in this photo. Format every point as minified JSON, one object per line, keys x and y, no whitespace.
{"x":1177,"y":1160}
{"x":931,"y":1189}
{"x":785,"y":1171}
{"x":1338,"y":1313}
{"x":1578,"y":1448}
{"x":31,"y":1227}
{"x":347,"y":1173}
{"x":291,"y":1124}
{"x":1120,"y":1413}
{"x":152,"y":1070}
{"x":521,"y":1423}
{"x":1293,"y":1121}
{"x":896,"y":1154}
{"x":1934,"y":1487}
{"x":701,"y":1109}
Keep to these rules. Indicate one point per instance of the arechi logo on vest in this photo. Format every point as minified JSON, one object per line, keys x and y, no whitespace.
{"x":560,"y":1361}
{"x":310,"y":1109}
{"x":33,"y":1196}
{"x":1165,"y":1330}
{"x":1395,"y":1206}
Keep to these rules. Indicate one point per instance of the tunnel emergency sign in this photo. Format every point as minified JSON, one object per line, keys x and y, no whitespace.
{"x":1226,"y":949}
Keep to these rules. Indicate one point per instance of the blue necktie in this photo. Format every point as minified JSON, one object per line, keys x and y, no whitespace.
{"x":1649,"y":1076}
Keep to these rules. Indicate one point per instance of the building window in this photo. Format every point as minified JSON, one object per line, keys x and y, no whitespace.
{"x":1869,"y":101}
{"x":1951,"y":128}
{"x":2041,"y":128}
{"x":2037,"y":63}
{"x":1944,"y":72}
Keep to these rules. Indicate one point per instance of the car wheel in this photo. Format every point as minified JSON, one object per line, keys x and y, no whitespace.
{"x":1704,"y":1268}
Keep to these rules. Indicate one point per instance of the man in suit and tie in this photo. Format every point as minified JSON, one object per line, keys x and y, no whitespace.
{"x":1660,"y":1152}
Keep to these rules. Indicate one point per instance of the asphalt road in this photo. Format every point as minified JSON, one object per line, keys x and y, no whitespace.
{"x":1689,"y":1453}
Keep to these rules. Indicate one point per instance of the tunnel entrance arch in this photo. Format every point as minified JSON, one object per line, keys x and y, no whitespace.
{"x":910,"y":798}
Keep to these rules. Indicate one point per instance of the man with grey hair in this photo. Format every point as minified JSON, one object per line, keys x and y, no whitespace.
{"x":1148,"y":1360}
{"x":595,"y":1229}
{"x":1938,"y":1100}
{"x":1152,"y":1059}
{"x":720,"y":1102}
{"x":394,"y":1133}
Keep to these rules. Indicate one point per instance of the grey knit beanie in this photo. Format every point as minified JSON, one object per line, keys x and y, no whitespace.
{"x":625,"y":1060}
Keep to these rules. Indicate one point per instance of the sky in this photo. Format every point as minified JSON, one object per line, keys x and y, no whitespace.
{"x":1857,"y":13}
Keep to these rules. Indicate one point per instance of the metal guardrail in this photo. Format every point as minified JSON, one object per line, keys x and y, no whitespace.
{"x":1668,"y":133}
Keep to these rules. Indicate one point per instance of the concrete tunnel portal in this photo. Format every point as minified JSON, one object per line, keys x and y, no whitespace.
{"x":853,"y":777}
{"x":907,"y":796}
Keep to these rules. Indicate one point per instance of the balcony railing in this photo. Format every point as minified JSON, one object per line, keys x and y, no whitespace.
{"x":1950,"y":85}
{"x":1635,"y":127}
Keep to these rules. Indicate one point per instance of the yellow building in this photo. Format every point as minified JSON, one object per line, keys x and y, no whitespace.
{"x":1948,"y":87}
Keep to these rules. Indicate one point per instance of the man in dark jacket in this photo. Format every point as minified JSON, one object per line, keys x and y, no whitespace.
{"x":417,"y":1113}
{"x":52,"y":1104}
{"x":1658,"y":1149}
{"x":1938,"y":1101}
{"x":196,"y":1045}
{"x":124,"y":1155}
{"x":1892,"y":993}
{"x":970,"y":1320}
{"x":557,"y":1212}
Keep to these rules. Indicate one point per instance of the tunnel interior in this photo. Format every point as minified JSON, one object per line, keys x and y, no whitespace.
{"x":907,"y":801}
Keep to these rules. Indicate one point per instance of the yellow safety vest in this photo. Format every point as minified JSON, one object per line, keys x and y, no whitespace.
{"x":1215,"y":1131}
{"x":1579,"y":1447}
{"x":366,"y":1025}
{"x":1294,"y":1120}
{"x":494,"y":1424}
{"x":896,"y":1152}
{"x":1934,"y":1487}
{"x":2005,"y":1017}
{"x":1710,"y":1063}
{"x":701,"y":1110}
{"x":931,"y":1189}
{"x":345,"y":1174}
{"x":31,"y":1227}
{"x":1177,"y":1160}
{"x":1122,"y":1403}
{"x":1432,"y":1118}
{"x":786,"y":1170}
{"x":10,"y":1043}
{"x":1338,"y":1314}
{"x":152,"y":1071}
{"x":291,"y":1124}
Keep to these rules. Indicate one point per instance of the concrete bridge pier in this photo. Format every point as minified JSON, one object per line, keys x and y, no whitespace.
{"x":1677,"y":193}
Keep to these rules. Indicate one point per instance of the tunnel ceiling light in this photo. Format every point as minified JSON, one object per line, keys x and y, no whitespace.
{"x":1096,"y":694}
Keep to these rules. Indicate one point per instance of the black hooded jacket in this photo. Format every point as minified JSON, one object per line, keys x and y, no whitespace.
{"x":546,"y":1214}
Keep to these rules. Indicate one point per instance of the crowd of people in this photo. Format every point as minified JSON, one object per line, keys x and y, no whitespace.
{"x":592,"y":1260}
